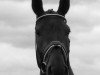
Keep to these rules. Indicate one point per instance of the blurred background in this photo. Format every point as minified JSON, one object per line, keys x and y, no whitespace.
{"x":17,"y":36}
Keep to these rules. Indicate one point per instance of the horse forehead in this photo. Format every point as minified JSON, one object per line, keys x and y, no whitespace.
{"x":50,"y":19}
{"x":51,"y":27}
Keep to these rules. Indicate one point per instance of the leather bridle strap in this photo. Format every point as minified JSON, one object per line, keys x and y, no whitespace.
{"x":50,"y":15}
{"x":53,"y":44}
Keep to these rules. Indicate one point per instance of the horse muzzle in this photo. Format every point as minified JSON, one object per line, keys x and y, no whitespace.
{"x":49,"y":50}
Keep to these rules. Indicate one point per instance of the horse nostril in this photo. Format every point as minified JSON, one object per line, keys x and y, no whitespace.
{"x":66,"y":69}
{"x":50,"y":70}
{"x":43,"y":67}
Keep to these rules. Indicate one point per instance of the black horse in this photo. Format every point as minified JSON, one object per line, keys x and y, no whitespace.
{"x":52,"y":39}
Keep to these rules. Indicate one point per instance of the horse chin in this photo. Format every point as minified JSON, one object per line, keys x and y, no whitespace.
{"x":54,"y":70}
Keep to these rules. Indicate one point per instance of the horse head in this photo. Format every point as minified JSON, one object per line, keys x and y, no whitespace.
{"x":52,"y":39}
{"x":52,"y":43}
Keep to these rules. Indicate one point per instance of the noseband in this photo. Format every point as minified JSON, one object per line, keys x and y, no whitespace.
{"x":52,"y":45}
{"x":48,"y":50}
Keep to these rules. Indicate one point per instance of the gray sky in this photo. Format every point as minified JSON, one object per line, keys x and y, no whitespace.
{"x":17,"y":22}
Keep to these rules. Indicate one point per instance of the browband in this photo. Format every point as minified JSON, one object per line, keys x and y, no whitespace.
{"x":50,"y":15}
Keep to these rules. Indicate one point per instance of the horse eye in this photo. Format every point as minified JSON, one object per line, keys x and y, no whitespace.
{"x":67,"y":30}
{"x":38,"y":33}
{"x":67,"y":33}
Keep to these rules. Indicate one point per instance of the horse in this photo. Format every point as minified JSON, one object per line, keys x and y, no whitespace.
{"x":52,"y":40}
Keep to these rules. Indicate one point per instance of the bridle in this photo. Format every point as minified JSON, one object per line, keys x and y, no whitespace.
{"x":48,"y":49}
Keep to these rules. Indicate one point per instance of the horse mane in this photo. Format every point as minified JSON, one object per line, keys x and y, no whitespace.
{"x":51,"y":11}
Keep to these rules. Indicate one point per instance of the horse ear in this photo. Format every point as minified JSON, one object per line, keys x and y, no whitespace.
{"x":63,"y":7}
{"x":37,"y":7}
